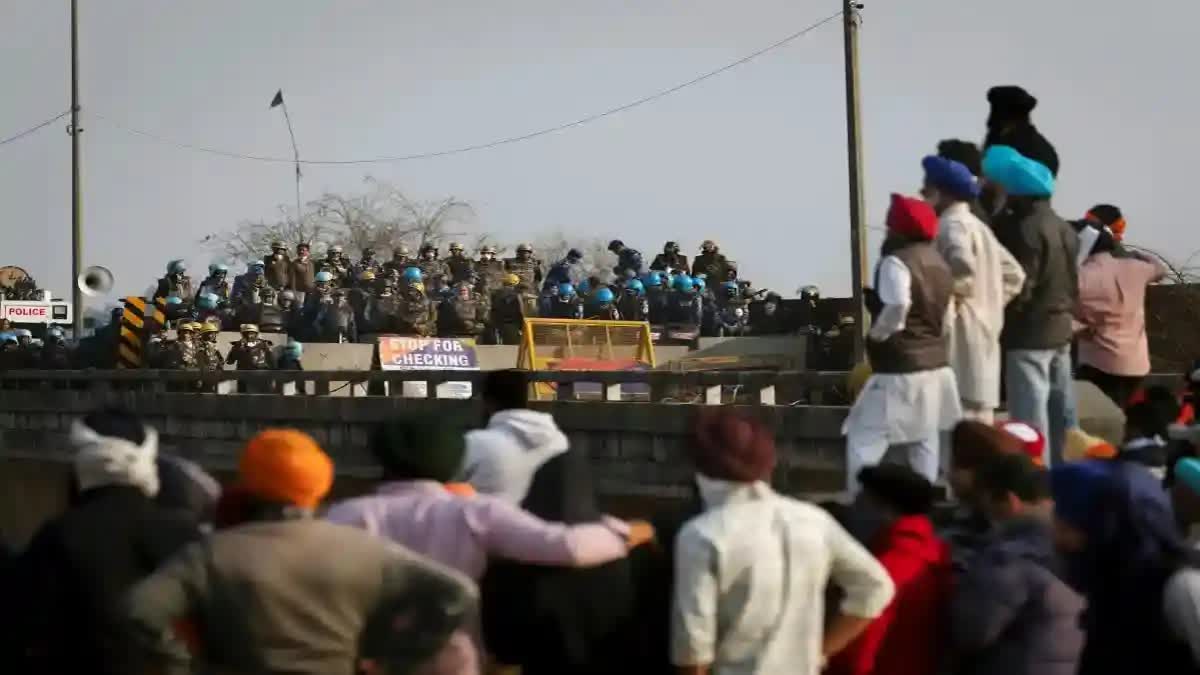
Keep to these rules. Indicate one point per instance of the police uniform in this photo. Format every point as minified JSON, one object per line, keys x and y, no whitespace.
{"x":181,"y":288}
{"x":528,"y":271}
{"x":208,"y":356}
{"x":460,"y":268}
{"x":461,"y":317}
{"x":507,"y":317}
{"x":434,"y":272}
{"x":415,"y":316}
{"x":251,"y":355}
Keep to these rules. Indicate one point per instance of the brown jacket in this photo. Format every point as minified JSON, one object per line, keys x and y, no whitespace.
{"x":278,"y":272}
{"x":303,"y":275}
{"x":922,"y":343}
{"x":286,"y":596}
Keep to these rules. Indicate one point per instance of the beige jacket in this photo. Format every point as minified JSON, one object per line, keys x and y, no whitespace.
{"x":288,"y":596}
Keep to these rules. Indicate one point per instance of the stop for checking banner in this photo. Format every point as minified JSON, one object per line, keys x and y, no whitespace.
{"x":411,"y":353}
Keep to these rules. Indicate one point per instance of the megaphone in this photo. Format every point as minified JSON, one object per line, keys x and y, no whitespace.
{"x":95,"y":281}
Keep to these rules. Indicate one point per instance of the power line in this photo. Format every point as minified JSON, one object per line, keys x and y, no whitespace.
{"x":32,"y":129}
{"x":491,"y":144}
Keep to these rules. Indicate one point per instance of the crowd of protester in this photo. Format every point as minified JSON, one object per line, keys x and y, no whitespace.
{"x":980,"y":283}
{"x":486,"y":551}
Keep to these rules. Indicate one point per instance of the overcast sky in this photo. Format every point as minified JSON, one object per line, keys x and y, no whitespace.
{"x":754,"y":158}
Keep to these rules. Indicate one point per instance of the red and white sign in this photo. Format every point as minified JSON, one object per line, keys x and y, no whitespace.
{"x":27,"y":311}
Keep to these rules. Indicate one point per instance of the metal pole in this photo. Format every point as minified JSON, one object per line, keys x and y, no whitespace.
{"x":76,"y":185}
{"x":296,"y":154}
{"x":858,"y":233}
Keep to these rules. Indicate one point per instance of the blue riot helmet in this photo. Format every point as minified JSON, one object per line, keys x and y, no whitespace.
{"x":699,"y":284}
{"x":174,"y":300}
{"x":217,"y":268}
{"x":566,"y":290}
{"x":604,"y":295}
{"x":653,"y":280}
{"x":176,"y":267}
{"x":55,"y":332}
{"x":256,"y":267}
{"x":584,"y":287}
{"x":682,"y":283}
{"x":207,"y":301}
{"x":730,"y":287}
{"x":412,"y":275}
{"x":636,"y":286}
{"x":294,"y":349}
{"x":324,"y":277}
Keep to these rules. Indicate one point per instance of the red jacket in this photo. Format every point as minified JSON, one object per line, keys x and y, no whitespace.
{"x":907,"y":639}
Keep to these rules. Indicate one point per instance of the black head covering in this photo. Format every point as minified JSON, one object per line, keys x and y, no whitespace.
{"x":1009,"y":124}
{"x":417,"y":448}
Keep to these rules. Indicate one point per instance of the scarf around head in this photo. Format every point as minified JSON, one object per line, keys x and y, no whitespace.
{"x":102,"y":461}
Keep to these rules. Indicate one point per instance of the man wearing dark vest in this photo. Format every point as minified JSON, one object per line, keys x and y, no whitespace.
{"x":912,"y":395}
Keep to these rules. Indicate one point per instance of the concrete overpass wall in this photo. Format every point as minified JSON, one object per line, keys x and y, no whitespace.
{"x":638,"y":450}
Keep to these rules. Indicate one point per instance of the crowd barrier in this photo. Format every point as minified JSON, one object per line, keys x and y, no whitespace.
{"x":766,"y":388}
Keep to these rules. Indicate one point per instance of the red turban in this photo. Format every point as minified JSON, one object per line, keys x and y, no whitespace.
{"x":912,"y":218}
{"x":732,"y":447}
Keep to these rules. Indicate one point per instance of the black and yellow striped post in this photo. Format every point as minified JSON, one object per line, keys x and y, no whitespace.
{"x":139,"y":320}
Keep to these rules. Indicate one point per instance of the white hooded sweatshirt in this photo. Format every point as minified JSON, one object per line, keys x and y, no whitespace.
{"x":502,"y":459}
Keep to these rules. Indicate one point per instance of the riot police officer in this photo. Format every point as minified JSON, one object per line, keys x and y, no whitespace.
{"x":733,"y":312}
{"x":401,"y":259}
{"x":565,"y":304}
{"x":55,"y":354}
{"x":208,"y":308}
{"x":278,"y":267}
{"x":335,"y":265}
{"x":711,"y":262}
{"x":527,"y":268}
{"x":670,"y":259}
{"x":507,"y":317}
{"x":250,"y":282}
{"x":368,"y":263}
{"x":208,"y":356}
{"x":290,"y":357}
{"x":216,"y":283}
{"x":462,"y":316}
{"x":683,"y":305}
{"x":362,"y":301}
{"x":632,"y":304}
{"x":181,"y":354}
{"x":176,"y":283}
{"x":271,"y":316}
{"x":434,"y":272}
{"x":415,"y":312}
{"x":628,"y":260}
{"x":601,"y":305}
{"x":656,"y":298}
{"x":251,"y":353}
{"x":303,"y":270}
{"x":565,"y":271}
{"x":459,"y":266}
{"x":490,"y":270}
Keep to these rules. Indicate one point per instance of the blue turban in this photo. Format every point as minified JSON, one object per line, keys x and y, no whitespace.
{"x":1078,"y":489}
{"x":951,"y":176}
{"x":1016,"y":173}
{"x":1187,"y":472}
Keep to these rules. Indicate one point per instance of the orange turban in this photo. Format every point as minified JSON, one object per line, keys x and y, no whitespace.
{"x":286,"y":466}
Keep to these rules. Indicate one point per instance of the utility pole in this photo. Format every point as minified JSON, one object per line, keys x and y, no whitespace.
{"x":851,"y":18}
{"x":76,"y":186}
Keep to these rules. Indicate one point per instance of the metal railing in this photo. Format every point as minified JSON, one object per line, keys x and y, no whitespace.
{"x":758,"y":387}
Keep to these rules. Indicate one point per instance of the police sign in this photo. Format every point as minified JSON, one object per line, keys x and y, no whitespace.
{"x":32,"y":311}
{"x":412,"y":353}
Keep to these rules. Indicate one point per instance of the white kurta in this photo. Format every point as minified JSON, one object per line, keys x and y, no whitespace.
{"x":895,"y":408}
{"x":986,"y":277}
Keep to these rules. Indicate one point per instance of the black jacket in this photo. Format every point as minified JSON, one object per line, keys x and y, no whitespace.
{"x":554,"y":621}
{"x":63,"y":600}
{"x":1040,"y":316}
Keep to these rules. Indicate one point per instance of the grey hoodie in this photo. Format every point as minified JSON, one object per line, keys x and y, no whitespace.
{"x":502,"y":458}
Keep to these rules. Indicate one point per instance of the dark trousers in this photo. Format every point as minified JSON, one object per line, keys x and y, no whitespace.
{"x":1120,"y":388}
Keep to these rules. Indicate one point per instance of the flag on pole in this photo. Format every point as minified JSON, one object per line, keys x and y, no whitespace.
{"x":278,"y":100}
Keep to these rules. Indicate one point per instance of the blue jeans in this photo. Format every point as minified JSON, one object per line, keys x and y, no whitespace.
{"x":1041,"y":393}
